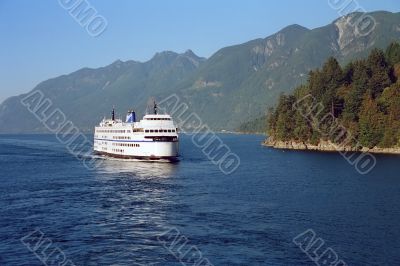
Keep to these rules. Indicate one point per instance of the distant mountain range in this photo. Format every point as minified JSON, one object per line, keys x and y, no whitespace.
{"x":234,"y":86}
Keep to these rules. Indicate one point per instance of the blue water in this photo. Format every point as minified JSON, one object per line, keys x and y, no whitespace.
{"x":114,"y":214}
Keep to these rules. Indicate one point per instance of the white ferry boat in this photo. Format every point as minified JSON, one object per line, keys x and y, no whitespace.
{"x":155,"y":137}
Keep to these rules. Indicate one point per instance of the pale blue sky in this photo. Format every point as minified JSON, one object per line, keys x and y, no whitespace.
{"x":40,"y":40}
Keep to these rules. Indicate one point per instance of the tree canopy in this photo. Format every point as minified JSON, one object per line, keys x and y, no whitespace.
{"x":361,"y":99}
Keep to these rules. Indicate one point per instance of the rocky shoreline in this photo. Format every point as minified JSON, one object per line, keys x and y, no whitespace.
{"x":325,"y":146}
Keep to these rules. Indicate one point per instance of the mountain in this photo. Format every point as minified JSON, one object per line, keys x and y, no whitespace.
{"x":246,"y":79}
{"x":87,"y":95}
{"x":235,"y":85}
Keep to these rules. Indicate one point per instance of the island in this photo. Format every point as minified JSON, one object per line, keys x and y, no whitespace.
{"x":351,"y":108}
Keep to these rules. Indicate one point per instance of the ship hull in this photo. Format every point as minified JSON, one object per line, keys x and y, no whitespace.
{"x":137,"y":157}
{"x":144,"y":150}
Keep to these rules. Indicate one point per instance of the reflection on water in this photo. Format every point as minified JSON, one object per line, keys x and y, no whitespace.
{"x":138,"y":168}
{"x":132,"y":197}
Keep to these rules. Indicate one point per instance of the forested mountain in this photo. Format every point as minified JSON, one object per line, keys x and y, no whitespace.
{"x":358,"y":104}
{"x":87,"y":95}
{"x":234,"y":86}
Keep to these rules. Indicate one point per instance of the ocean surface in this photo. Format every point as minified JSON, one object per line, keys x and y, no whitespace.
{"x":116,"y":213}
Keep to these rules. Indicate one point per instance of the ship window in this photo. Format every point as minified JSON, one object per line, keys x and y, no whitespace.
{"x":169,"y":130}
{"x":147,"y":131}
{"x":151,"y":130}
{"x":156,"y":130}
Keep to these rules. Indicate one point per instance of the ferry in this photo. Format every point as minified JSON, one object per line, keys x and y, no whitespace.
{"x":155,"y":137}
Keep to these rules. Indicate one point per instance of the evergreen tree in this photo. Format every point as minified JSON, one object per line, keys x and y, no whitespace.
{"x":359,"y":86}
{"x":390,"y":105}
{"x":371,"y":123}
{"x":272,"y":118}
{"x":285,"y":123}
{"x":393,"y":53}
{"x":379,"y":72}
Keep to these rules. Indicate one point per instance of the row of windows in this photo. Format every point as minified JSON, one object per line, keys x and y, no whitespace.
{"x":159,"y":130}
{"x":100,"y":142}
{"x":137,"y":130}
{"x":158,"y":118}
{"x":101,"y":137}
{"x":121,"y":137}
{"x":113,"y":131}
{"x":126,"y":145}
{"x":117,"y":150}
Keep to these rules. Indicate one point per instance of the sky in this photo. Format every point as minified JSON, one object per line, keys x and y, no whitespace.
{"x":41,"y":39}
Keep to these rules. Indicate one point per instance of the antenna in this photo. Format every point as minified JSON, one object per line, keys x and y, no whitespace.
{"x":113,"y":114}
{"x":155,"y":107}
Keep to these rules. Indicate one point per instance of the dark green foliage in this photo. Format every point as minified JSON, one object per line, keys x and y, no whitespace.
{"x":389,"y":103}
{"x":258,"y":125}
{"x":359,"y":105}
{"x":371,"y":123}
{"x":393,"y":53}
{"x":359,"y":84}
{"x":379,"y":72}
{"x":282,"y":120}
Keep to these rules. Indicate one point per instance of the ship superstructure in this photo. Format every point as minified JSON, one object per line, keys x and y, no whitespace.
{"x":154,"y":137}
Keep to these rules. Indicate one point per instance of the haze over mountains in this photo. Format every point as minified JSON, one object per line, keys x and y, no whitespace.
{"x":235,"y":85}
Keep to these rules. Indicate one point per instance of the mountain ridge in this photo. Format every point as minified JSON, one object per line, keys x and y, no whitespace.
{"x":235,"y":85}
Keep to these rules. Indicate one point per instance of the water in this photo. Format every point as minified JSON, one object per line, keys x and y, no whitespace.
{"x":113,"y":215}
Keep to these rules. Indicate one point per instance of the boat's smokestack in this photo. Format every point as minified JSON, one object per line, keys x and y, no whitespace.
{"x":131,"y":117}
